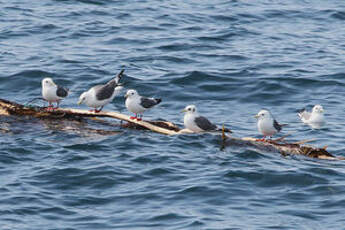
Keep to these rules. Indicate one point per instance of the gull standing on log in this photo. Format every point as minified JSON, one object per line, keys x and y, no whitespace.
{"x":100,"y":95}
{"x":196,"y":123}
{"x":52,"y":92}
{"x":267,"y":125}
{"x":138,"y":104}
{"x":315,"y":118}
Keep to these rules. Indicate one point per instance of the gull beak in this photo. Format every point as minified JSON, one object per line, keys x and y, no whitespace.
{"x":321,"y":110}
{"x":183,"y":111}
{"x":79,"y":102}
{"x":256,"y":116}
{"x":126,"y":95}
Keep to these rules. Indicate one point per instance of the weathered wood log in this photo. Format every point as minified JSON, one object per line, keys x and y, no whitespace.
{"x":8,"y":108}
{"x":12,"y":108}
{"x":281,"y":146}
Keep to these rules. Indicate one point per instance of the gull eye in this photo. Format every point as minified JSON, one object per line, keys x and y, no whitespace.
{"x":47,"y":82}
{"x":193,"y":110}
{"x":188,"y":109}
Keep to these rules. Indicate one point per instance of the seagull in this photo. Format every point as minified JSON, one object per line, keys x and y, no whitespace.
{"x":315,"y":118}
{"x":267,"y":125}
{"x":100,"y":95}
{"x":52,"y":92}
{"x":196,"y":123}
{"x":138,"y":104}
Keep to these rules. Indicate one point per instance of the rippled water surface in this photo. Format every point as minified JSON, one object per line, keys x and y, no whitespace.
{"x":230,"y":58}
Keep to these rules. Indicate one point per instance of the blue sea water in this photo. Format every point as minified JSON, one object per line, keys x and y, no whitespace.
{"x":229,"y":57}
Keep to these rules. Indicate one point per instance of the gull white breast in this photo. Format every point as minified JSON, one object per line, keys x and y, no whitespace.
{"x":267,"y":125}
{"x":52,"y":92}
{"x":196,"y":123}
{"x":138,"y":104}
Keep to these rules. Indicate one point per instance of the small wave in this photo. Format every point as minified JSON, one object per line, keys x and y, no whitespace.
{"x":339,"y":15}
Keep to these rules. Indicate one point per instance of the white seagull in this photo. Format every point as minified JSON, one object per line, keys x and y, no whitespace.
{"x":138,"y":104}
{"x":52,"y":92}
{"x":100,"y":95}
{"x":196,"y":123}
{"x":315,"y":118}
{"x":267,"y":125}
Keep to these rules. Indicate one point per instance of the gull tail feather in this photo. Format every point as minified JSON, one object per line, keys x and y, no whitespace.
{"x":158,"y":100}
{"x":119,"y":76}
{"x":300,"y":112}
{"x":225,"y":130}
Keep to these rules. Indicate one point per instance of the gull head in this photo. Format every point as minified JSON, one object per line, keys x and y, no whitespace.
{"x":131,"y":93}
{"x":317,"y":109}
{"x":48,"y":82}
{"x":82,"y":98}
{"x":263,"y":114}
{"x":190,"y":109}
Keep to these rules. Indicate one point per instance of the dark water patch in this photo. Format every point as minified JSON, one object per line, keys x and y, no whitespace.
{"x":53,"y":211}
{"x":167,"y":25}
{"x":17,"y":8}
{"x":225,"y":18}
{"x":195,"y":191}
{"x":170,"y":60}
{"x":87,"y":2}
{"x":7,"y":159}
{"x":176,"y":47}
{"x":249,"y":18}
{"x":167,"y":217}
{"x":87,"y":147}
{"x":282,"y":13}
{"x":146,"y":28}
{"x":218,"y":37}
{"x":222,"y":57}
{"x":41,"y":29}
{"x":68,"y":179}
{"x":194,"y":224}
{"x":156,"y":172}
{"x":30,"y":74}
{"x":192,"y":28}
{"x":96,"y":28}
{"x":196,"y":77}
{"x":287,"y":179}
{"x":338,"y":15}
{"x":151,"y":159}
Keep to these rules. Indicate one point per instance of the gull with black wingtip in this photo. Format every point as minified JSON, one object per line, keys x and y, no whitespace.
{"x":138,"y":104}
{"x":100,"y":95}
{"x":196,"y":123}
{"x":267,"y":125}
{"x":52,"y":92}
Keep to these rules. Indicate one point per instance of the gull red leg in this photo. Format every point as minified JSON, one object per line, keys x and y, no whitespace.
{"x":100,"y":109}
{"x":262,"y":139}
{"x":50,"y":106}
{"x":131,"y":117}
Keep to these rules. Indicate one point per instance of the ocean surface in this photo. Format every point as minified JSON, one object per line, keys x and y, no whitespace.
{"x":229,"y":58}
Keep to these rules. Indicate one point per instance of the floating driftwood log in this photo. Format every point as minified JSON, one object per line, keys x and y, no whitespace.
{"x":12,"y":108}
{"x":8,"y":108}
{"x":285,"y":148}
